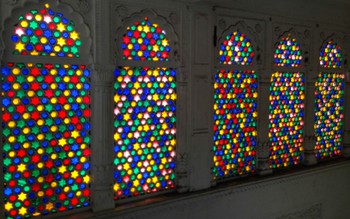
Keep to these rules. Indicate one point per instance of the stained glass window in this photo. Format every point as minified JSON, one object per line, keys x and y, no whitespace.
{"x":286,"y":106}
{"x":235,"y":109}
{"x":145,"y":41}
{"x":46,"y":139}
{"x":330,"y":56}
{"x":145,"y":130}
{"x":329,"y":114}
{"x":144,"y":114}
{"x":235,"y":116}
{"x":236,"y":49}
{"x":286,"y":119}
{"x":45,"y":33}
{"x":45,"y":119}
{"x":288,"y":53}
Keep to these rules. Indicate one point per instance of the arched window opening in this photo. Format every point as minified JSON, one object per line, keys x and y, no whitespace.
{"x":235,"y":109}
{"x":144,"y":112}
{"x":45,"y":33}
{"x":288,"y":53}
{"x":286,"y":106}
{"x":329,"y":103}
{"x":330,"y":55}
{"x":45,"y":117}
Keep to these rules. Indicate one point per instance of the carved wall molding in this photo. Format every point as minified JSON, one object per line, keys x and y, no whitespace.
{"x":101,"y":176}
{"x":122,"y":11}
{"x":102,"y":187}
{"x":11,"y":2}
{"x":182,"y":172}
{"x":103,"y":74}
{"x":174,"y":18}
{"x":82,"y":6}
{"x":263,"y":149}
{"x":222,"y":24}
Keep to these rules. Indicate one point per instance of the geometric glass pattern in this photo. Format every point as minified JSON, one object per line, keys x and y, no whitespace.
{"x":45,"y":33}
{"x":329,"y":114}
{"x":45,"y":129}
{"x":144,"y":130}
{"x":145,"y":41}
{"x":330,"y":56}
{"x":236,"y":49}
{"x":286,"y":119}
{"x":235,"y":127}
{"x":288,"y":53}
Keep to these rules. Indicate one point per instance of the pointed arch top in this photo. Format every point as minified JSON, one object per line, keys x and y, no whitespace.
{"x":288,"y":52}
{"x":330,"y":55}
{"x":46,"y":29}
{"x":146,"y":36}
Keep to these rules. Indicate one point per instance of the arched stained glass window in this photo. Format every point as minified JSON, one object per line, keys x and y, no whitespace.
{"x":45,"y":33}
{"x":145,"y":41}
{"x":286,"y":107}
{"x":235,"y":109}
{"x":330,"y":55}
{"x":329,"y":104}
{"x":236,"y":49}
{"x":288,"y":53}
{"x":45,"y":120}
{"x":145,"y":114}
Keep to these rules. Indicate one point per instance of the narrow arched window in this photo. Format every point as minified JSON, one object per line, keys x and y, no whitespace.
{"x":45,"y":114}
{"x":235,"y":108}
{"x":286,"y":105}
{"x":144,"y":111}
{"x":329,"y":102}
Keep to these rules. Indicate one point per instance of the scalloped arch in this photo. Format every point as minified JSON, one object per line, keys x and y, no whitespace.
{"x":33,"y":39}
{"x":235,"y":40}
{"x":146,"y":36}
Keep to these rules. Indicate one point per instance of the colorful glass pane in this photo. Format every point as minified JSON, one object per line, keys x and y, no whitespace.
{"x":286,"y":119}
{"x":330,"y":56}
{"x":145,"y":41}
{"x":288,"y":53}
{"x":329,"y":114}
{"x":45,"y":127}
{"x":45,"y":33}
{"x":236,"y":49}
{"x":145,"y":119}
{"x":235,"y":116}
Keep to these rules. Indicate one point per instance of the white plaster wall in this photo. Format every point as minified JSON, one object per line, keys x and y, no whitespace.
{"x":320,"y":192}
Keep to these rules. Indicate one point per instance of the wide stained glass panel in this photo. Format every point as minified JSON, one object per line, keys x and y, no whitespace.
{"x":236,"y":49}
{"x":330,"y":55}
{"x":329,"y":105}
{"x":286,"y":119}
{"x":145,"y":41}
{"x":288,"y":53}
{"x":235,"y":113}
{"x":45,"y":127}
{"x":145,"y":130}
{"x":45,"y":33}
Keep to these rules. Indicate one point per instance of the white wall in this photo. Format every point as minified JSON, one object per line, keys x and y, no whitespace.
{"x":313,"y":194}
{"x":318,"y":192}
